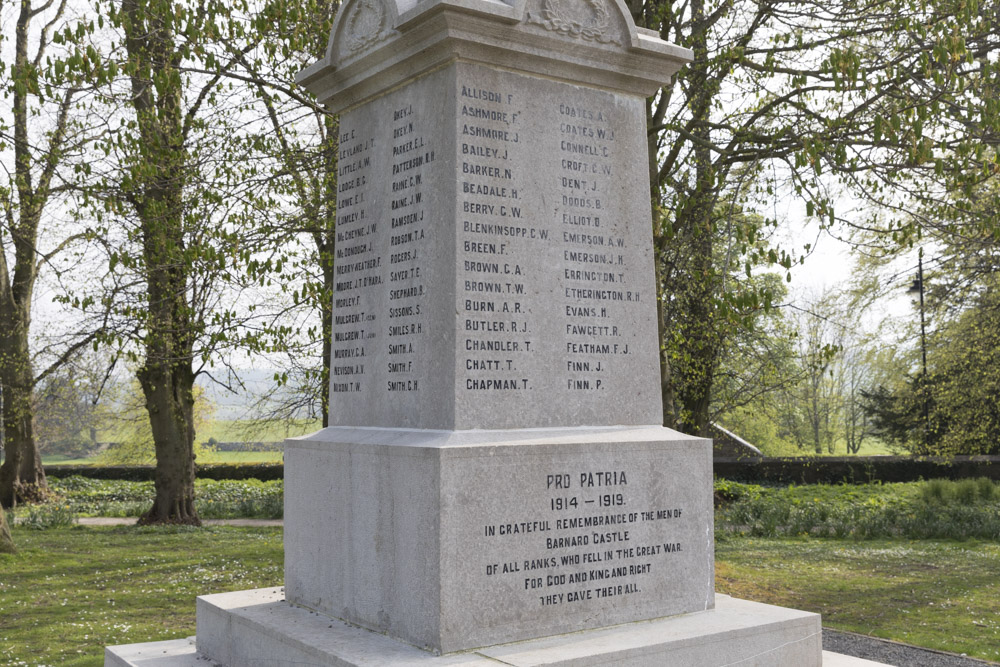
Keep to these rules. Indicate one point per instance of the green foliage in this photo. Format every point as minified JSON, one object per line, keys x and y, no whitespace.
{"x":130,"y":423}
{"x":854,"y":470}
{"x":964,"y":492}
{"x":727,"y":491}
{"x":952,"y":410}
{"x":816,"y":105}
{"x":216,"y":499}
{"x":932,"y":510}
{"x":231,"y":499}
{"x":48,"y":515}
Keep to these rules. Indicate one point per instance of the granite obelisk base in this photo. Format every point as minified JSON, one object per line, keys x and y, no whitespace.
{"x":451,"y":540}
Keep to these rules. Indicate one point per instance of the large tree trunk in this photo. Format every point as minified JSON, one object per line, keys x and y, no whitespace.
{"x":6,"y":541}
{"x":159,"y":173}
{"x":689,"y":341}
{"x":694,"y":372}
{"x":326,"y":241}
{"x":22,"y":477}
{"x":170,"y":401}
{"x":167,"y":377}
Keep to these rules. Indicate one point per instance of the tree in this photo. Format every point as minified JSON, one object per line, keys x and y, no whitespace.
{"x":128,"y":419}
{"x":179,"y":200}
{"x":943,"y":405}
{"x":853,"y":376}
{"x":68,"y":405}
{"x":952,"y":410}
{"x":757,"y":356}
{"x":303,"y":139}
{"x":51,"y":69}
{"x":814,"y":101}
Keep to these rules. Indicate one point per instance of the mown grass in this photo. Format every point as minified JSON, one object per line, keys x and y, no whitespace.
{"x":940,"y":595}
{"x":241,"y":457}
{"x":69,"y":592}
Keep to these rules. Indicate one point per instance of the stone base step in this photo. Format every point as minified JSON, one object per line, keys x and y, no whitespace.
{"x":182,"y":653}
{"x":257,"y":628}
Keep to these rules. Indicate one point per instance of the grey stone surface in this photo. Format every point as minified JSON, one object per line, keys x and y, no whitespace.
{"x":262,"y":629}
{"x":170,"y":653}
{"x":457,"y":539}
{"x":494,"y":262}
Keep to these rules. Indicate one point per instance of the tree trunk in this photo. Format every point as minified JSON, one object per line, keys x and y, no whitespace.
{"x":695,"y":375}
{"x":326,"y":242}
{"x":169,"y":392}
{"x":326,"y":315}
{"x":6,"y":541}
{"x":817,"y":445}
{"x":22,"y":477}
{"x":159,"y":174}
{"x":689,"y":342}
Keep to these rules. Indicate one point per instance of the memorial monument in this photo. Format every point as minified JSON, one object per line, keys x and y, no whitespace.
{"x":495,"y":484}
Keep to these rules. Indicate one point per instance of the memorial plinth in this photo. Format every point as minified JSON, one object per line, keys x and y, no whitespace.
{"x":496,"y":470}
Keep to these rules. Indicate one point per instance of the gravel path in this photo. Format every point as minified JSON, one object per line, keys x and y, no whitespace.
{"x":894,"y":653}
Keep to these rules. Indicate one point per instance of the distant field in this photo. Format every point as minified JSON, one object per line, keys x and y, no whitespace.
{"x":241,"y":457}
{"x":243,"y":431}
{"x":869,"y":447}
{"x":223,"y":431}
{"x":237,"y":430}
{"x":207,"y":457}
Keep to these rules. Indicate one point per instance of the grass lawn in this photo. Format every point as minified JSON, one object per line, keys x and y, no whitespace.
{"x":942,"y":595}
{"x":69,"y":592}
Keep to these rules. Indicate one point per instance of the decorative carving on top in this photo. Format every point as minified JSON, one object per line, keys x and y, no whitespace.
{"x":583,"y":19}
{"x":364,"y":27}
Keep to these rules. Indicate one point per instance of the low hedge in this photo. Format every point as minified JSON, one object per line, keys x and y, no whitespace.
{"x":817,"y":470}
{"x":262,"y":471}
{"x":856,"y":469}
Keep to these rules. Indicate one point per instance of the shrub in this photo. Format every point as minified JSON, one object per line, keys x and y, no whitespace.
{"x":938,"y":509}
{"x":934,"y":491}
{"x":49,"y":515}
{"x":987,"y":489}
{"x":964,"y":492}
{"x":727,"y":491}
{"x":215,"y":499}
{"x":967,"y":491}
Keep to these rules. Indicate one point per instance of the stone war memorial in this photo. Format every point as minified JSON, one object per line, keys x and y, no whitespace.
{"x":496,"y":486}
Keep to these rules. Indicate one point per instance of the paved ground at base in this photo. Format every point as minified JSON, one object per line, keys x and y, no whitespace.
{"x":894,"y":653}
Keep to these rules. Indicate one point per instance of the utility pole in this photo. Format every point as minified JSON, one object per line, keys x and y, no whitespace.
{"x":918,"y":287}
